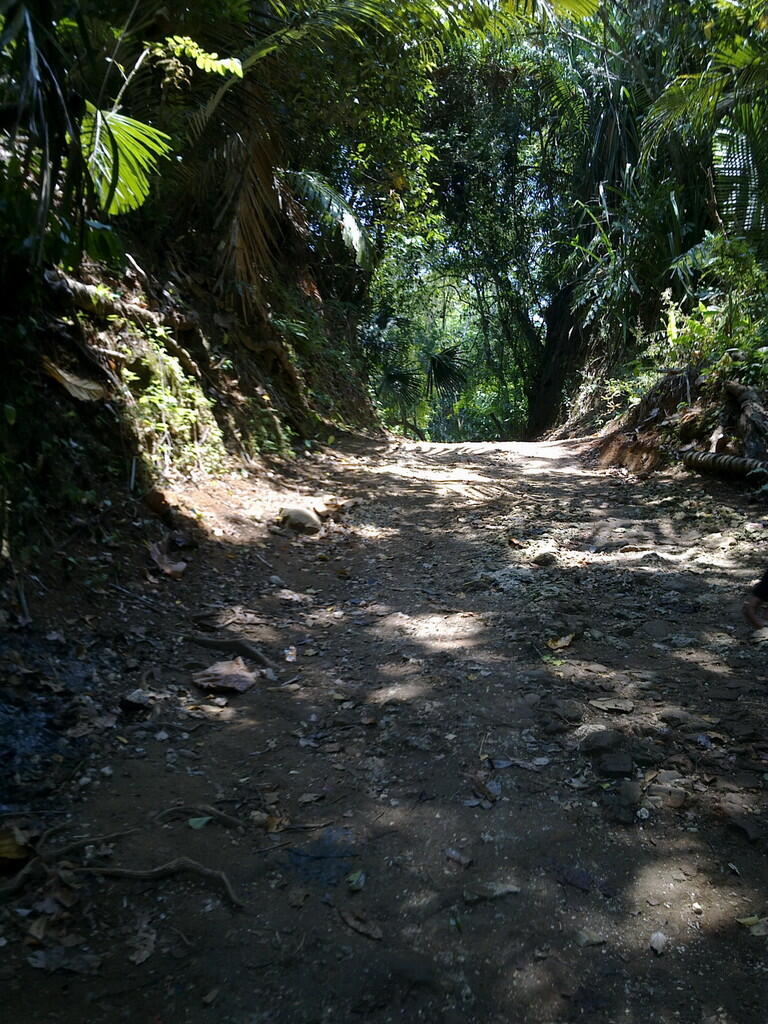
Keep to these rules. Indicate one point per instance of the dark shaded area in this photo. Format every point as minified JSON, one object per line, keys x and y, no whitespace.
{"x":38,"y":682}
{"x":462,"y":689}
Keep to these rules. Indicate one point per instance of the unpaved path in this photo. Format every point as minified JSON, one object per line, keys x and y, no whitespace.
{"x":517,"y":729}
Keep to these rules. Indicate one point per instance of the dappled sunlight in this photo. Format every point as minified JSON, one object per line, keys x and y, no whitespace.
{"x":424,"y":723}
{"x":400,"y":692}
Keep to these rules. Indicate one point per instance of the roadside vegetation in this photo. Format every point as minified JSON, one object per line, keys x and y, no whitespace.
{"x":239,"y":228}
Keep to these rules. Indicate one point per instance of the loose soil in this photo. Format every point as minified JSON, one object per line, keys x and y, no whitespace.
{"x":515,"y":738}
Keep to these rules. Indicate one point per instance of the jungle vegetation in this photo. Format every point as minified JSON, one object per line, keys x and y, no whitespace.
{"x":242,"y":225}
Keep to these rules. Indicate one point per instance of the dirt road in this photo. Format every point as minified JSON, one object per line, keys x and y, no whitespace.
{"x":510,"y":765}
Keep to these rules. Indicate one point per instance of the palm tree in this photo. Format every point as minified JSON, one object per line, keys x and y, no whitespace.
{"x":726,"y":103}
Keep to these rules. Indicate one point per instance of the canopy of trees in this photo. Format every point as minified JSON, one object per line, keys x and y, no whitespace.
{"x":470,"y":219}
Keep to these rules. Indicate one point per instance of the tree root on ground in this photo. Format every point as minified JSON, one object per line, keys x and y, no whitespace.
{"x":44,"y":859}
{"x":234,"y":644}
{"x":202,"y":810}
{"x":164,"y":871}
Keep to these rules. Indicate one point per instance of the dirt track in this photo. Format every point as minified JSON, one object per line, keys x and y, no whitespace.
{"x":523,"y":730}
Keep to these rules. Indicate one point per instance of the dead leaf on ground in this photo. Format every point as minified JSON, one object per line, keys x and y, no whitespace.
{"x":356,"y":881}
{"x":226,"y":675}
{"x":12,"y":846}
{"x":561,"y":642}
{"x":143,"y":942}
{"x":59,"y":958}
{"x":277,"y":822}
{"x":310,"y":798}
{"x":360,"y":923}
{"x":198,"y":823}
{"x":79,"y":387}
{"x":166,"y":565}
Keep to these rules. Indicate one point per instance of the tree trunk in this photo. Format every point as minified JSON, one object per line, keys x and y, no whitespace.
{"x":564,"y":346}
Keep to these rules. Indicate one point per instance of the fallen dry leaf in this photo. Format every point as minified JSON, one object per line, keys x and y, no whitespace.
{"x":166,"y":565}
{"x":561,"y":642}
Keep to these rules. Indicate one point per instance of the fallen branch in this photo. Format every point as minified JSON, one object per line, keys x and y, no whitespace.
{"x":724,"y":465}
{"x":173,"y":867}
{"x":234,"y":644}
{"x":136,"y":597}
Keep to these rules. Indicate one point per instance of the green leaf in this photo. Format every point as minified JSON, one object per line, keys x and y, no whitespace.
{"x":399,"y":386}
{"x":573,"y":10}
{"x":10,"y":414}
{"x":183,"y":46}
{"x":328,"y":205}
{"x":120,"y":154}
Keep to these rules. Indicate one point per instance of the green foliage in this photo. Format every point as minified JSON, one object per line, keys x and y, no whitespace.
{"x":171,"y":415}
{"x":329,"y":206}
{"x":210,"y":63}
{"x":722,"y":335}
{"x":120,"y":154}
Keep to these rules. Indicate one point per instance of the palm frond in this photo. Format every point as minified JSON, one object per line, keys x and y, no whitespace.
{"x":120,"y":155}
{"x":741,"y":183}
{"x":551,"y":10}
{"x":399,"y":386}
{"x":330,"y":207}
{"x":249,"y":202}
{"x":446,"y":372}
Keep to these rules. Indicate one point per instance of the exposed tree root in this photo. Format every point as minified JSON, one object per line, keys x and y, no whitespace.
{"x":234,"y":644}
{"x":45,"y":858}
{"x":173,"y":867}
{"x":184,"y":810}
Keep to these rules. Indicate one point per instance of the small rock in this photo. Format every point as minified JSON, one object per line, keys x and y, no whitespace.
{"x":570,"y":710}
{"x":584,"y":937}
{"x":667,"y":796}
{"x":301,"y":519}
{"x":545,"y":558}
{"x":629,"y":791}
{"x":674,"y":716}
{"x":617,"y":764}
{"x":658,"y":943}
{"x":140,"y":698}
{"x":595,"y":739}
{"x":617,"y":705}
